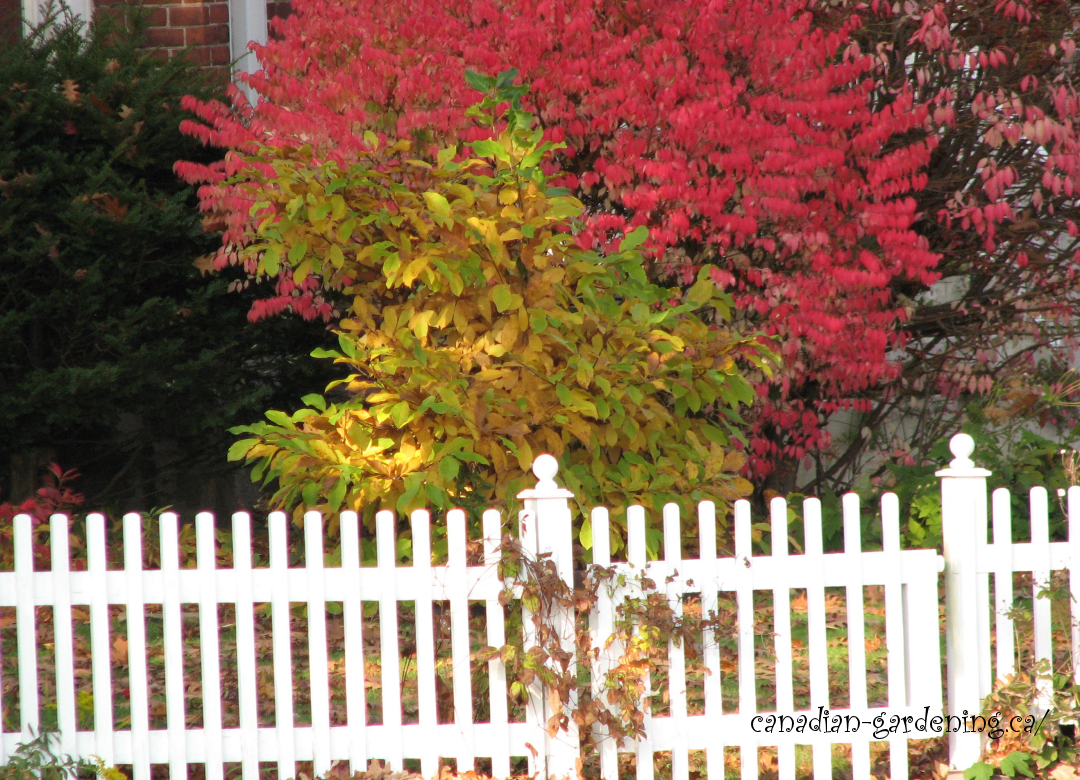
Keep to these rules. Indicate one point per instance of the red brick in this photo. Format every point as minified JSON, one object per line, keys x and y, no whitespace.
{"x":200,"y":55}
{"x":163,"y":36}
{"x":217,"y":74}
{"x":158,"y":54}
{"x":188,"y":16}
{"x":215,"y":33}
{"x":219,"y":13}
{"x":221,"y":55}
{"x":157,"y":17}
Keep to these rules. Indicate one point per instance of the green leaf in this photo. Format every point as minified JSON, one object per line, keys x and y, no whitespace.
{"x":281,"y":418}
{"x":980,"y":770}
{"x":506,"y":78}
{"x":490,"y":148}
{"x":449,"y":468}
{"x":337,"y":494}
{"x":346,"y":230}
{"x":401,"y":413}
{"x":297,"y":252}
{"x":315,"y":400}
{"x":565,"y":398}
{"x":700,"y":293}
{"x":271,"y":260}
{"x":502,"y":297}
{"x":446,"y":155}
{"x":538,"y":320}
{"x":634,"y":239}
{"x":585,"y":535}
{"x":413,"y":483}
{"x":1016,"y":761}
{"x":478,"y":81}
{"x":437,"y":204}
{"x":239,"y":449}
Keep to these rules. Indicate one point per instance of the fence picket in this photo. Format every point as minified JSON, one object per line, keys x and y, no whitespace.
{"x":174,"y":645}
{"x":459,"y":638}
{"x":100,"y":646}
{"x":894,"y":625}
{"x":785,"y":686}
{"x":389,"y":660}
{"x":317,"y":662}
{"x":136,"y":637}
{"x":245,"y":645}
{"x":425,"y":641}
{"x":602,"y":622}
{"x":64,"y":650}
{"x":353,"y":614}
{"x":680,"y":752}
{"x":637,"y":557}
{"x":1040,"y":584}
{"x":26,"y":625}
{"x":744,"y":600}
{"x":281,"y":632}
{"x":1073,"y":558}
{"x":982,"y":614}
{"x":816,"y":631}
{"x":1003,"y":584}
{"x":710,"y":605}
{"x":856,"y":626}
{"x":496,"y":637}
{"x":209,"y":649}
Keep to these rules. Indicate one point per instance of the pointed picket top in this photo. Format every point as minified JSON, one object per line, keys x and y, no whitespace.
{"x":545,"y":468}
{"x":962,"y":446}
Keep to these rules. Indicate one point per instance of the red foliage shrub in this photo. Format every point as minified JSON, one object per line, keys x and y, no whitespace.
{"x":743,"y":133}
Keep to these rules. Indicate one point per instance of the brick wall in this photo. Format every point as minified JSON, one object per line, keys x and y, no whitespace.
{"x":202,"y":26}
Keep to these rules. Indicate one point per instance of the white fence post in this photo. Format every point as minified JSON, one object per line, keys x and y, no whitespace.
{"x":33,"y":12}
{"x":546,"y":528}
{"x":247,"y":22}
{"x":963,"y":519}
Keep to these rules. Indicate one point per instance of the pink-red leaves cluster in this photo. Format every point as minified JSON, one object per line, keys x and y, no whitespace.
{"x":55,"y":495}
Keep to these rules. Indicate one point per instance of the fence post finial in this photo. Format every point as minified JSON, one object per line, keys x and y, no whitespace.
{"x":545,"y":467}
{"x":962,"y":445}
{"x":963,"y":527}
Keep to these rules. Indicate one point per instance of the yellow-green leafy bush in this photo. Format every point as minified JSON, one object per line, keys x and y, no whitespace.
{"x":479,"y":335}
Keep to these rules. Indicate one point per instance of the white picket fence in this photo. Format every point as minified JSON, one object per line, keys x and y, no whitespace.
{"x":977,"y":625}
{"x":912,"y":633}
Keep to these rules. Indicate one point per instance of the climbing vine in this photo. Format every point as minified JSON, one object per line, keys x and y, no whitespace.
{"x":644,"y":621}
